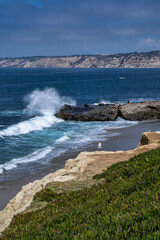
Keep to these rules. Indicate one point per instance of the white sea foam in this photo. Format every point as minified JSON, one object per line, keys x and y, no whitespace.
{"x":46,"y":102}
{"x":62,"y":139}
{"x":42,"y":105}
{"x":103,"y":102}
{"x":35,"y":156}
{"x":121,"y":123}
{"x":124,"y":102}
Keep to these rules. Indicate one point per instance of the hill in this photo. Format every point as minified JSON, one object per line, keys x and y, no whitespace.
{"x":127,"y":60}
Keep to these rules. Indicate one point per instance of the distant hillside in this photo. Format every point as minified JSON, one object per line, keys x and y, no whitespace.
{"x":127,"y":60}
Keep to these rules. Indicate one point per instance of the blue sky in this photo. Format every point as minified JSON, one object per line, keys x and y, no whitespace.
{"x":67,"y":27}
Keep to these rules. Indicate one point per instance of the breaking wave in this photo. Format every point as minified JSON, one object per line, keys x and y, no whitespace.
{"x":41,"y":108}
{"x":62,"y":139}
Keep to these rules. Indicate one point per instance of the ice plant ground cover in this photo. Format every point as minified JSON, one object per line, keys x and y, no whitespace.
{"x":125,"y":205}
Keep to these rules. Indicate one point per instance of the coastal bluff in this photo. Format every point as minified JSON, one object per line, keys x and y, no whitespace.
{"x":147,"y":110}
{"x":84,"y":166}
{"x":121,"y":60}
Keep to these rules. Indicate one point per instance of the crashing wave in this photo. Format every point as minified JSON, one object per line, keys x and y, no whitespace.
{"x":41,"y":107}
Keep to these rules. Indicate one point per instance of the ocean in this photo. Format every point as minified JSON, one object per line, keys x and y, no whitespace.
{"x":30,"y":134}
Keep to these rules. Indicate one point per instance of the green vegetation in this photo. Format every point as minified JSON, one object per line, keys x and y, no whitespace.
{"x":98,"y":56}
{"x":125,"y":206}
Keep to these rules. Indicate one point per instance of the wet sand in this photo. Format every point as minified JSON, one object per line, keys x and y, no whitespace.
{"x":127,"y":139}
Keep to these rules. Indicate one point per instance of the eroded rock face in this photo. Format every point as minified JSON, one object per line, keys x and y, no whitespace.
{"x":103,"y":112}
{"x":150,"y":138}
{"x":140,"y":111}
{"x":123,"y":60}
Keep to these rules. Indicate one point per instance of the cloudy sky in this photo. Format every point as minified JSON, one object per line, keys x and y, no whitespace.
{"x":66,"y":27}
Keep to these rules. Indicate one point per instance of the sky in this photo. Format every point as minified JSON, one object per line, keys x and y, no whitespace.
{"x":68,"y":27}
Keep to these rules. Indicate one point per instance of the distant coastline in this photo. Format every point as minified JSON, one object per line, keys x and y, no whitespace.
{"x":121,"y":60}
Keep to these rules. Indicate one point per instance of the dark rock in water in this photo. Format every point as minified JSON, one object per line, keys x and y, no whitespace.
{"x":140,"y":111}
{"x":86,"y":105}
{"x":107,"y":112}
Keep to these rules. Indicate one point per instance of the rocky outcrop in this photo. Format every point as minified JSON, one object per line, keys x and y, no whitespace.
{"x":127,"y":60}
{"x":147,"y":110}
{"x":150,"y":138}
{"x":140,"y":111}
{"x":102,"y":112}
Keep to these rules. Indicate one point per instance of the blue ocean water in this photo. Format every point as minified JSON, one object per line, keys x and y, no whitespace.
{"x":29,"y":99}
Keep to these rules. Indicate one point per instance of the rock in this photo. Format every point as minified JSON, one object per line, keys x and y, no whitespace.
{"x":147,"y":110}
{"x":106,"y":112}
{"x":140,"y":111}
{"x":149,"y":138}
{"x":86,"y":105}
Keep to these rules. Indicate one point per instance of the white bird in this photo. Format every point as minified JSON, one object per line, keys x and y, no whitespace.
{"x":99,"y":145}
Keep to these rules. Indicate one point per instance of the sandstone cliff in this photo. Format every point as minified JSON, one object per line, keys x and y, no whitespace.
{"x":127,"y":60}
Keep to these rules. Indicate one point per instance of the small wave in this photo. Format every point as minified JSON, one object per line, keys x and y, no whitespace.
{"x":103,"y":102}
{"x":10,"y":113}
{"x":125,"y":101}
{"x":121,"y":123}
{"x":142,"y":99}
{"x":62,"y":139}
{"x":37,"y":155}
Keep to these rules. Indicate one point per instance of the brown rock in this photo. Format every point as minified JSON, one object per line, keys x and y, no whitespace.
{"x":140,"y":111}
{"x":149,"y":138}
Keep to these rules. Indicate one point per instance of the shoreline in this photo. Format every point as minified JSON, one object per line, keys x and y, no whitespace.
{"x":127,"y":139}
{"x":83,"y":167}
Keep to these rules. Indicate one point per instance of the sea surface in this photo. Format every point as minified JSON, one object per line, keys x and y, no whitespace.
{"x":30,"y":134}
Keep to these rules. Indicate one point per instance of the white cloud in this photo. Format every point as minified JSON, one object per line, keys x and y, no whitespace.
{"x":150,"y":42}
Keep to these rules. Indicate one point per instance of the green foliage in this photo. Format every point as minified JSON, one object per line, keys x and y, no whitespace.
{"x":45,"y":195}
{"x":125,"y":206}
